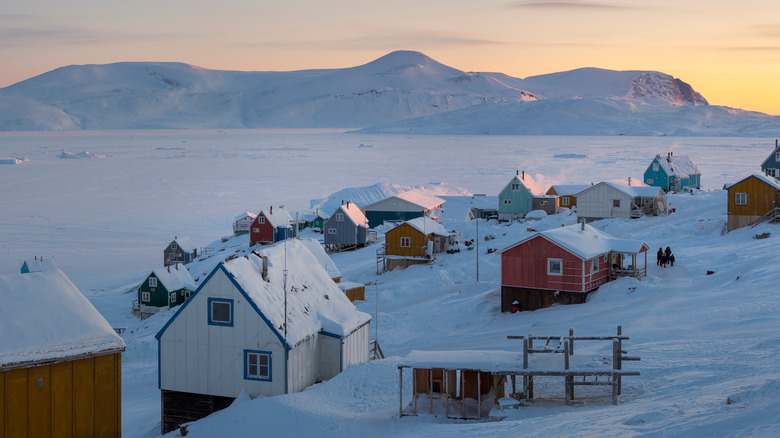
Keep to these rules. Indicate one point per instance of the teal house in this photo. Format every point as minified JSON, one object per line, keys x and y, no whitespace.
{"x":402,"y":207}
{"x":516,"y":199}
{"x":771,"y":166}
{"x":672,"y":173}
{"x":163,"y":289}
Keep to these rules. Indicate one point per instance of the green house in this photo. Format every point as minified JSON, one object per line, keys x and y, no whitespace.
{"x":314,"y":220}
{"x":672,"y":173}
{"x":516,"y":199}
{"x":163,"y":289}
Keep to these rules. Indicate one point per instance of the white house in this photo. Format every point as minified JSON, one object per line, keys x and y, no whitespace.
{"x":609,"y":199}
{"x":243,"y":222}
{"x":230,"y":335}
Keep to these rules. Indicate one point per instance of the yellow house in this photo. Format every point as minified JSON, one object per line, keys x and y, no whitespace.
{"x":60,"y":361}
{"x":415,"y":241}
{"x":751,"y":200}
{"x":567,"y":194}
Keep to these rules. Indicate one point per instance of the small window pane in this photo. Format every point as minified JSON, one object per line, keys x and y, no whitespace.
{"x":220,"y":312}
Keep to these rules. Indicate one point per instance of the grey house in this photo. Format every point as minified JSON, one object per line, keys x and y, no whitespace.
{"x":346,"y":227}
{"x":181,"y":250}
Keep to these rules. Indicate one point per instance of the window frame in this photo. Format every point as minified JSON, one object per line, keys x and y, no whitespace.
{"x":515,"y":187}
{"x":656,"y":167}
{"x":152,"y":281}
{"x":146,"y":297}
{"x":210,"y":311}
{"x":339,"y":217}
{"x":565,"y":200}
{"x":777,"y":156}
{"x":594,"y":265}
{"x":258,"y":377}
{"x":406,"y":242}
{"x":174,"y":246}
{"x":332,"y":230}
{"x":616,"y":203}
{"x":740,"y":196}
{"x":507,"y":202}
{"x":173,"y":297}
{"x":549,"y":266}
{"x":261,"y":219}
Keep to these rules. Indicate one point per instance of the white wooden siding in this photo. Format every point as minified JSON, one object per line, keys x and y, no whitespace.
{"x":330,"y":355}
{"x":355,"y":347}
{"x":597,"y":203}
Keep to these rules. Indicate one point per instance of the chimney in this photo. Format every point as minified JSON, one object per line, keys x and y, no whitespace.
{"x":265,"y":268}
{"x":342,"y":202}
{"x":517,"y":172}
{"x":582,"y":223}
{"x":524,"y":175}
{"x":169,"y":269}
{"x":629,"y":181}
{"x":347,"y":204}
{"x":271,"y":210}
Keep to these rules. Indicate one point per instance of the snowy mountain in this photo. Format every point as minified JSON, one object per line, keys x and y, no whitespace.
{"x":403,"y":91}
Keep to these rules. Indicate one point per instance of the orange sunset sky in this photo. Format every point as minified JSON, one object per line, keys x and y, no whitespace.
{"x":727,"y":50}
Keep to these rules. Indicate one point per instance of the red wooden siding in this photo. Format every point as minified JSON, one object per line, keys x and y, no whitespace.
{"x":526,"y":266}
{"x":265,"y":233}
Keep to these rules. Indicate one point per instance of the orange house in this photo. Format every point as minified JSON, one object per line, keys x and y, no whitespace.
{"x":60,"y":361}
{"x":752,"y":200}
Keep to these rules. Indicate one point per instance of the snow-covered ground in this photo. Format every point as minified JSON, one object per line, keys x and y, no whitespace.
{"x":709,"y":343}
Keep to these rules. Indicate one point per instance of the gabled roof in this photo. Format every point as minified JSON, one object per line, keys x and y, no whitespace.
{"x":245,"y":215}
{"x":528,"y":182}
{"x":175,"y":279}
{"x":587,"y":243}
{"x":354,"y":214}
{"x":632,"y":191}
{"x":278,"y":217}
{"x":771,"y":157}
{"x":426,"y":225}
{"x":763,"y":178}
{"x":40,"y":264}
{"x":316,"y":249}
{"x":314,"y":302}
{"x":425,"y":202}
{"x":680,"y":165}
{"x":568,"y":190}
{"x":185,"y":243}
{"x":45,"y":317}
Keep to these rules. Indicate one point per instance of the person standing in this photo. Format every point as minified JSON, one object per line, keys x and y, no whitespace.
{"x":668,"y":253}
{"x":663,"y":260}
{"x":659,"y":254}
{"x":671,"y":260}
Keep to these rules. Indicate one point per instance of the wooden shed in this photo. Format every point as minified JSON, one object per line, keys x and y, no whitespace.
{"x":234,"y":335}
{"x":163,"y":289}
{"x":516,"y":198}
{"x":272,"y":225}
{"x":567,"y":194}
{"x":243,"y":222}
{"x":180,"y":250}
{"x":672,"y":173}
{"x":347,"y":228}
{"x":416,"y":241}
{"x":563,"y":265}
{"x":609,"y":199}
{"x":401,"y":207}
{"x":60,"y":361}
{"x":753,"y":199}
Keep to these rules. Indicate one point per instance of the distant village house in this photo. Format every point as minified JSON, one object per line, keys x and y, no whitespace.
{"x":402,"y":207}
{"x":753,"y":199}
{"x":346,"y":228}
{"x":180,"y":250}
{"x":272,"y":225}
{"x":609,"y":199}
{"x":516,"y":198}
{"x":243,"y":223}
{"x":163,"y":289}
{"x":673,"y":173}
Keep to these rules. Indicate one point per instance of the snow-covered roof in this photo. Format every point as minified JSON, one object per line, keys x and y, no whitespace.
{"x":354,"y":213}
{"x":316,"y":249}
{"x":39,"y":264}
{"x":348,"y":285}
{"x":636,"y":191}
{"x":175,"y":279}
{"x":428,"y":201}
{"x":244,"y":215}
{"x":568,"y":190}
{"x":45,"y":317}
{"x":185,"y":243}
{"x":427,"y":225}
{"x":529,"y":183}
{"x":278,"y":217}
{"x":308,"y":217}
{"x":766,"y":179}
{"x":679,"y":165}
{"x":314,"y":302}
{"x":588,"y":242}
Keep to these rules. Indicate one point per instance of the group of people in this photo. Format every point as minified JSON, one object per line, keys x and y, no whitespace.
{"x":665,"y":257}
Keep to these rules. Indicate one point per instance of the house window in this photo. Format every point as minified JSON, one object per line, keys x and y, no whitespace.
{"x":406,"y":242}
{"x":649,"y":180}
{"x":152,"y":281}
{"x":565,"y":200}
{"x":255,"y":230}
{"x":332,"y":231}
{"x":777,"y":156}
{"x":655,"y":167}
{"x":174,"y":246}
{"x":220,"y":312}
{"x":616,"y":203}
{"x":543,"y":203}
{"x":515,"y":187}
{"x":740,"y":198}
{"x":146,"y":297}
{"x":257,"y":365}
{"x":507,"y":202}
{"x":339,"y":217}
{"x":594,"y":266}
{"x":187,"y":294}
{"x":173,"y":297}
{"x":171,"y":256}
{"x":554,"y":267}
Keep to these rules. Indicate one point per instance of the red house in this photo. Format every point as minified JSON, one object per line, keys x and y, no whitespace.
{"x":270,"y":226}
{"x":564,"y":265}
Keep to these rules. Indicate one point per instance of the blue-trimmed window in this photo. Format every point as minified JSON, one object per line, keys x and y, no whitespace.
{"x":257,"y":365}
{"x":220,"y":312}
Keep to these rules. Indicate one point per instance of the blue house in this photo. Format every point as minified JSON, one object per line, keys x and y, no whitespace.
{"x":771,"y":166}
{"x":672,"y":173}
{"x":516,"y":199}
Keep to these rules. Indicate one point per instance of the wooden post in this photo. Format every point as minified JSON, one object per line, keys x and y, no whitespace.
{"x":414,"y":389}
{"x":566,"y":355}
{"x":567,"y":389}
{"x":620,"y":360}
{"x":430,"y":389}
{"x":400,"y":392}
{"x":614,"y":389}
{"x":525,"y":353}
{"x":571,"y":341}
{"x":446,"y":395}
{"x":462,"y":395}
{"x":514,"y":391}
{"x":615,"y":365}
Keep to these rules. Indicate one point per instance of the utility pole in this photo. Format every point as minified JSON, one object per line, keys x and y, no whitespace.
{"x":477,"y":247}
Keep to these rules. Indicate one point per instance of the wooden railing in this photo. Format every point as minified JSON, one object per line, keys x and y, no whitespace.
{"x":770,"y":216}
{"x":375,"y":350}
